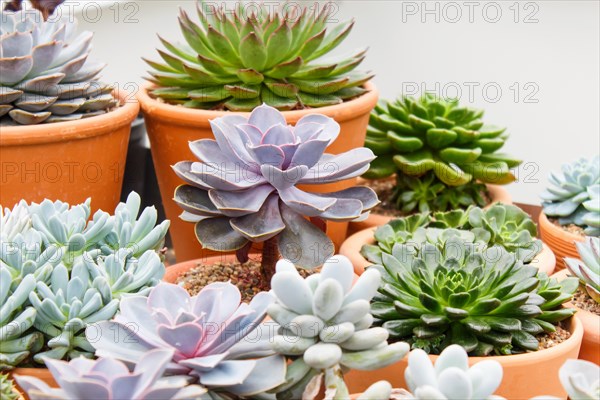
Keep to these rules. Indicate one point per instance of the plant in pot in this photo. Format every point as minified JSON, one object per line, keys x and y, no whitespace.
{"x":55,"y":114}
{"x":245,"y":191}
{"x":571,"y":207}
{"x":8,"y":391}
{"x":62,"y":270}
{"x":503,"y":225}
{"x":212,"y":338}
{"x":234,"y":62}
{"x":324,"y":328}
{"x":433,"y":155}
{"x":587,"y":298}
{"x":483,"y":299}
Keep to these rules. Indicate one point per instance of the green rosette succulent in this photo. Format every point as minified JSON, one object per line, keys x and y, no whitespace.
{"x":573,"y":195}
{"x":503,"y":225}
{"x":46,"y":74}
{"x":237,"y":61}
{"x":483,"y":300}
{"x":415,"y":136}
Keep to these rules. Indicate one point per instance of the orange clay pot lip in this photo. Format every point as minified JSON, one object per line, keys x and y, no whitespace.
{"x":568,"y":237}
{"x":72,"y":130}
{"x":200,"y":118}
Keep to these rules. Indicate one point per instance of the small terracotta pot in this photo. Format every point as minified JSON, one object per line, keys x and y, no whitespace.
{"x":40,"y":373}
{"x":498,"y":194}
{"x":68,"y":161}
{"x":545,"y":261}
{"x":525,"y":375}
{"x":560,"y":241}
{"x":590,"y":346}
{"x":171,"y":127}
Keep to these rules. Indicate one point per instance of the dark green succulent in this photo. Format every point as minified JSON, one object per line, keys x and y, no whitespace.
{"x":415,"y":136}
{"x":239,"y":62}
{"x":503,"y":225}
{"x":484,"y":300}
{"x":428,"y":193}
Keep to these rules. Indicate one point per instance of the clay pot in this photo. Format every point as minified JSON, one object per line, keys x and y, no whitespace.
{"x":560,"y":241}
{"x":590,"y":346}
{"x":171,"y":127}
{"x":68,"y":161}
{"x":545,"y":261}
{"x":525,"y":375}
{"x":40,"y":373}
{"x":498,"y":194}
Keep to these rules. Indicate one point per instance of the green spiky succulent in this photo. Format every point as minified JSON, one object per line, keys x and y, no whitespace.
{"x":415,"y":136}
{"x":7,"y":389}
{"x":482,"y":300}
{"x":239,"y":62}
{"x":428,"y":193}
{"x":503,"y":225}
{"x":46,"y":75}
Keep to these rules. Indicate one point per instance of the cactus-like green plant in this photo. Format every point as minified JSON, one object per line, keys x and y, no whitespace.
{"x":415,"y":136}
{"x":325,"y":327}
{"x":239,"y":61}
{"x":504,"y":225}
{"x":7,"y":388}
{"x":484,"y":300}
{"x":62,"y":270}
{"x":569,"y":190}
{"x":46,"y":74}
{"x":587,"y":267}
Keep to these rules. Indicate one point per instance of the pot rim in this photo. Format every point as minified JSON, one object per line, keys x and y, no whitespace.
{"x":72,"y":130}
{"x":200,"y":118}
{"x":571,"y":238}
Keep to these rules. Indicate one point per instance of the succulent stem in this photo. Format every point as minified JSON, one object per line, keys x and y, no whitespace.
{"x":270,"y":255}
{"x":334,"y":380}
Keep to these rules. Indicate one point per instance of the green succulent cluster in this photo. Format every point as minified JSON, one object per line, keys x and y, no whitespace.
{"x":239,"y":61}
{"x":62,"y":269}
{"x":501,"y":225}
{"x":7,"y":388}
{"x":483,"y":300}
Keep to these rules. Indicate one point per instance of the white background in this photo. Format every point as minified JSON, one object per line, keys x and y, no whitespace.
{"x":543,"y":56}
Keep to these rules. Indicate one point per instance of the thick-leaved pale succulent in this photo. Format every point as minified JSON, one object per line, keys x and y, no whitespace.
{"x":450,"y":377}
{"x":415,"y":136}
{"x":74,"y":270}
{"x":325,"y":326}
{"x":206,"y":332}
{"x":434,"y":296}
{"x":591,"y":218}
{"x":245,"y":189}
{"x":587,"y":268}
{"x":7,"y":389}
{"x":504,"y":225}
{"x":45,"y":73}
{"x":110,"y":379}
{"x":564,"y":198}
{"x":18,"y":341}
{"x":238,"y":61}
{"x":581,"y":380}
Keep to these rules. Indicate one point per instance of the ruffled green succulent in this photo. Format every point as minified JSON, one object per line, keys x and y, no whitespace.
{"x":239,"y":62}
{"x":483,"y":300}
{"x":573,"y":197}
{"x":416,"y":136}
{"x":428,"y":193}
{"x":503,"y":225}
{"x":7,"y":389}
{"x":46,"y":73}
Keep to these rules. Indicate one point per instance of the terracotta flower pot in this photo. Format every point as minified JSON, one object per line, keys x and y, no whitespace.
{"x":68,"y":161}
{"x":40,"y":373}
{"x":561,"y":242}
{"x":525,"y":375}
{"x":171,"y":127}
{"x":545,"y":261}
{"x":590,"y":346}
{"x":498,"y":194}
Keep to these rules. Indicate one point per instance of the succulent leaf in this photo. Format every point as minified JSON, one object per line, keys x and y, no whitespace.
{"x":587,"y":267}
